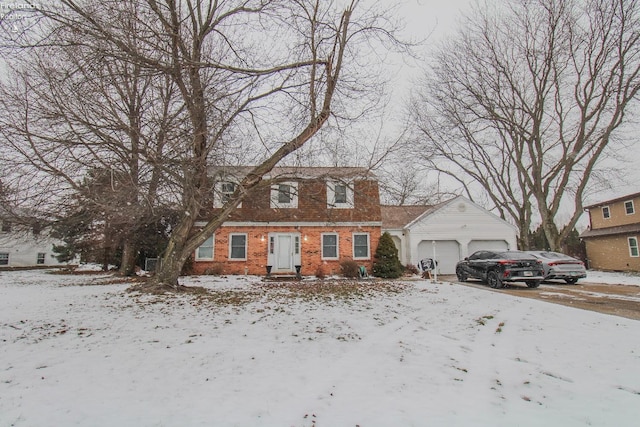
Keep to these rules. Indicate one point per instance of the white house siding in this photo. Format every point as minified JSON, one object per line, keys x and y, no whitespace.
{"x":23,"y":250}
{"x":460,"y":221}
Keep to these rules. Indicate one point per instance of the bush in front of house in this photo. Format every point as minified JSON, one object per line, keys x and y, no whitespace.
{"x":386,"y":263}
{"x":411,"y":269}
{"x":350,"y":268}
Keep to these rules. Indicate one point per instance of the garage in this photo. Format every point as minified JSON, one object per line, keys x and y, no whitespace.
{"x":447,"y":254}
{"x":458,"y":227}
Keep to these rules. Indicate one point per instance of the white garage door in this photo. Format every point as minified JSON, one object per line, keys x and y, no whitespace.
{"x":447,"y":254}
{"x":489,"y":245}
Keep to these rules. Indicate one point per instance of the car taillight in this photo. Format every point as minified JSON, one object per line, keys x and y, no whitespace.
{"x":505,"y":262}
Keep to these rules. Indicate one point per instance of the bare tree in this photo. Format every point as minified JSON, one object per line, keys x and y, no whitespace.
{"x":71,"y":113}
{"x":526,"y":102}
{"x":266,"y":71}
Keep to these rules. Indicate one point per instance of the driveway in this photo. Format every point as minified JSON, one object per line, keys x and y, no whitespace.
{"x":618,"y":300}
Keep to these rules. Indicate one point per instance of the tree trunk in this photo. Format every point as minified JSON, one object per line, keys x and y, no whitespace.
{"x":128,"y":260}
{"x":175,"y":256}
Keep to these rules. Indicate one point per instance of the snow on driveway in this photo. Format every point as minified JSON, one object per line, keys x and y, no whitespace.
{"x":75,"y":351}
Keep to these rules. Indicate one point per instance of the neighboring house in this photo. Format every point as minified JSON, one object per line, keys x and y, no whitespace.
{"x":22,"y":246}
{"x":453,"y":229}
{"x":307,"y":219}
{"x":611,"y":241}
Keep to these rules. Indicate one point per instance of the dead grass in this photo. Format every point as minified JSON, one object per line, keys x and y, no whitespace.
{"x":321,"y":291}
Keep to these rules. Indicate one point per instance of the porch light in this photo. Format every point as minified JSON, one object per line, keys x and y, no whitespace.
{"x":305,"y":238}
{"x":262,"y":238}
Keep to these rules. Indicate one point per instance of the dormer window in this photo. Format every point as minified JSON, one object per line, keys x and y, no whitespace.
{"x":224,"y":191}
{"x":339,"y":195}
{"x":227,"y":190}
{"x":284,"y":195}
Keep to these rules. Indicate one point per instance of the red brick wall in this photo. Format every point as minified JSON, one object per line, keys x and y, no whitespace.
{"x":310,"y":246}
{"x":312,"y":205}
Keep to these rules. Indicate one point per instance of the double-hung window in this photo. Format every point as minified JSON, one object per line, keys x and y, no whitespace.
{"x":606,"y":213}
{"x":4,"y":258}
{"x":633,"y":247}
{"x":238,"y":246}
{"x":361,"y":246}
{"x":284,"y":195}
{"x":629,"y":208}
{"x":223,"y":192}
{"x":226,"y":191}
{"x":205,"y":251}
{"x":41,"y":257}
{"x":330,"y":246}
{"x":339,"y":195}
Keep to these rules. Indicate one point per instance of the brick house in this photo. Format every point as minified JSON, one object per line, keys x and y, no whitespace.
{"x":305,"y":219}
{"x":611,"y":240}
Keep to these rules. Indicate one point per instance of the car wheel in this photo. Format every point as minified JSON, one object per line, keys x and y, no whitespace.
{"x":534,"y":283}
{"x":462,"y":276}
{"x":493,"y":279}
{"x":571,"y":281}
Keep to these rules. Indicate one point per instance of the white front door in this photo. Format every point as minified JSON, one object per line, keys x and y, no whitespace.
{"x":284,"y":252}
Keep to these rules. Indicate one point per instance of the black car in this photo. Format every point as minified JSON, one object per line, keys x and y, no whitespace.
{"x":495,"y":268}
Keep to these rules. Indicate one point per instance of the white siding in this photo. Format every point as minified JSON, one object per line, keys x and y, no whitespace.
{"x":23,"y":248}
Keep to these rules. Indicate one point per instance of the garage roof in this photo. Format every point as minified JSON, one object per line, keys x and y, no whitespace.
{"x":398,"y":217}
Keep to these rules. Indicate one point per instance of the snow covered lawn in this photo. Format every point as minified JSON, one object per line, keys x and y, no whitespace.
{"x":77,"y":351}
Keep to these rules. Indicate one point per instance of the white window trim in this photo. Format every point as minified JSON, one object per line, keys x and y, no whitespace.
{"x":217,"y":196}
{"x":213,"y":249}
{"x":246,"y":246}
{"x":636,"y":246}
{"x":5,"y":256}
{"x":608,"y":212}
{"x":275,"y":191}
{"x":633,"y":208}
{"x":331,"y":195}
{"x":337,"y":245}
{"x":353,"y":245}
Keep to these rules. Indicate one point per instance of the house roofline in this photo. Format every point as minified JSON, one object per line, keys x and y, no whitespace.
{"x":615,"y":200}
{"x":293,"y":224}
{"x":611,"y":231}
{"x":298,"y":172}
